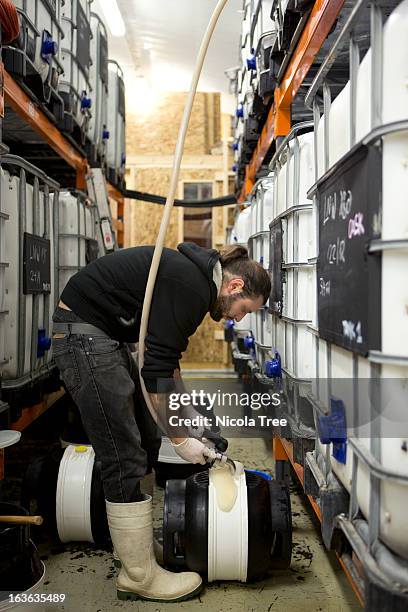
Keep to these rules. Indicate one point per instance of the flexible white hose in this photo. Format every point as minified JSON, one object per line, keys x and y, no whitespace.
{"x":170,"y":198}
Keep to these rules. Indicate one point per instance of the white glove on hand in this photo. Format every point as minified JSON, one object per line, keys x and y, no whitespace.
{"x":194,"y":451}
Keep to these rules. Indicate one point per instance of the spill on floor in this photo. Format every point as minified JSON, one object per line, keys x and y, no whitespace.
{"x":86,"y":573}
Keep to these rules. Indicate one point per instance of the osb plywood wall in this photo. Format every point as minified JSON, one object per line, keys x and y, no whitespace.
{"x":146,"y":217}
{"x":150,"y":145}
{"x":156,"y":133}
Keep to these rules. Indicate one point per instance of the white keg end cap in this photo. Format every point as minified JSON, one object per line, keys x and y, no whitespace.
{"x":239,"y":469}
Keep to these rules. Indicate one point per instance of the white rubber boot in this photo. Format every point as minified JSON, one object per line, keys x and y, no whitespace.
{"x":131,"y":529}
{"x":146,"y":487}
{"x":157,"y":549}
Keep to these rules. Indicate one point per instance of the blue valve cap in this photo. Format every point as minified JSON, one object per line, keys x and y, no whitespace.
{"x":43,"y":344}
{"x":106,"y":134}
{"x":49,"y":47}
{"x":249,"y":342}
{"x":229,"y":324}
{"x":251,"y":63}
{"x":240,"y":112}
{"x":235,"y":146}
{"x":85,"y":101}
{"x":234,"y":168}
{"x":273,"y":368}
{"x":332,"y":429}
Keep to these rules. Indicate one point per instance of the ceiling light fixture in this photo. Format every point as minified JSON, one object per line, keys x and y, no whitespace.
{"x":113,"y":17}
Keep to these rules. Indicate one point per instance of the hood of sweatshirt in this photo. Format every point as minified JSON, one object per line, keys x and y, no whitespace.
{"x":205,"y":260}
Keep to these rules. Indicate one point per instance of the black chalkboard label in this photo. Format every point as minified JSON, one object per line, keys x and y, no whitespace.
{"x":275,"y":267}
{"x":348,"y":277}
{"x":121,"y":102}
{"x":103,"y":58}
{"x":36,"y":265}
{"x":83,"y":50}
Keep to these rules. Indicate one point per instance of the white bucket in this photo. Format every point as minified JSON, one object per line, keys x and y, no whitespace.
{"x":26,"y":606}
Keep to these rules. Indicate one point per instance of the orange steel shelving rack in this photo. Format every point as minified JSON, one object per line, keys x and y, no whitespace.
{"x":13,"y":95}
{"x":315,"y":32}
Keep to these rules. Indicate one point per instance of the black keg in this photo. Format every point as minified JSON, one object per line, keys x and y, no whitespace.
{"x":185,"y":525}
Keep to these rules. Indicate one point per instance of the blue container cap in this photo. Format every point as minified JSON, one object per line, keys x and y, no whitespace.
{"x":273,"y":367}
{"x":85,"y":101}
{"x":259,"y":473}
{"x":235,"y":146}
{"x":49,"y":47}
{"x":249,"y":342}
{"x":229,"y":324}
{"x":251,"y":63}
{"x":240,"y":112}
{"x":43,"y":343}
{"x":106,"y":134}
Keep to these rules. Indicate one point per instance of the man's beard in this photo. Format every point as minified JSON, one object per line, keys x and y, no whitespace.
{"x":222,"y":306}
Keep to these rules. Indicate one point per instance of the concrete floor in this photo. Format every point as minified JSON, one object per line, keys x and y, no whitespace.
{"x":315,"y":581}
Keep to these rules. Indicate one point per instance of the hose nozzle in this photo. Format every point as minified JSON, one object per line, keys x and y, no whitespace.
{"x":220,"y":460}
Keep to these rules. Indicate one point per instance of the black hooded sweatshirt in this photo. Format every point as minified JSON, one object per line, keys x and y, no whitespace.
{"x":109,"y":293}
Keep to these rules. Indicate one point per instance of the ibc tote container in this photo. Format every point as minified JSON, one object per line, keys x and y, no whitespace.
{"x":242,"y":227}
{"x":264,"y":36}
{"x":76,"y":236}
{"x":98,"y":76}
{"x":34,"y":55}
{"x":246,"y":31}
{"x":116,"y":148}
{"x":28,"y":201}
{"x":258,"y":243}
{"x":369,"y":357}
{"x":262,"y":22}
{"x":294,"y":167}
{"x":261,"y":216}
{"x":75,"y":88}
{"x":292,"y":239}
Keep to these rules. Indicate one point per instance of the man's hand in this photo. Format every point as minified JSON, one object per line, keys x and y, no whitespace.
{"x":192,"y":450}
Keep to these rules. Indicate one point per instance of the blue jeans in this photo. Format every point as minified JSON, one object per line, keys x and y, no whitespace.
{"x":100,"y":375}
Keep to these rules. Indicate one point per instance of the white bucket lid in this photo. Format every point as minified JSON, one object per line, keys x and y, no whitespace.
{"x":73,"y":499}
{"x":8,"y":437}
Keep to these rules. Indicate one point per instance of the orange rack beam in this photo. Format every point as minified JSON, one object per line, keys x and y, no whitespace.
{"x":30,"y":414}
{"x":118,"y":223}
{"x":283,"y":451}
{"x":29,"y":111}
{"x":316,"y":30}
